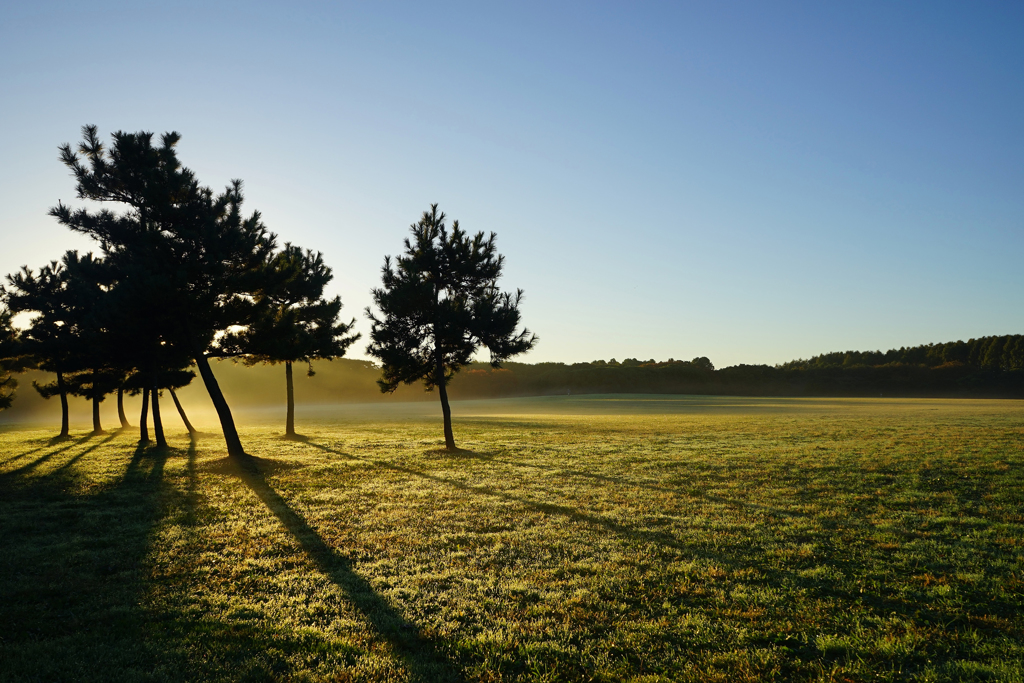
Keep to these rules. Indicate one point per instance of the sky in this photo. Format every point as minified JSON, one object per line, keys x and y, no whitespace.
{"x":751,"y":182}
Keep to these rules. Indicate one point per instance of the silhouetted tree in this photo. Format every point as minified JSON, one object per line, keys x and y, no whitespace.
{"x":181,"y":413}
{"x":295,"y":323}
{"x":120,"y":407}
{"x":149,"y":382}
{"x":10,"y":352}
{"x":93,"y":385}
{"x":54,"y":339}
{"x":143,"y":353}
{"x":439,"y":303}
{"x":176,"y":379}
{"x":187,"y":258}
{"x":69,"y":336}
{"x":99,"y":370}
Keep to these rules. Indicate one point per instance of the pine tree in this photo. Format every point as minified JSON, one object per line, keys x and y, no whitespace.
{"x":187,"y":261}
{"x":295,"y":324}
{"x":54,"y":340}
{"x":150,"y":383}
{"x":99,"y":369}
{"x":10,"y":354}
{"x":439,"y":304}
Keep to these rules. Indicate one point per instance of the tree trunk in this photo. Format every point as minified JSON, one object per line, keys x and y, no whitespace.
{"x":144,"y":418}
{"x":184,"y":418}
{"x":227,"y":423}
{"x":96,"y":427}
{"x":449,"y":437}
{"x":158,"y":425}
{"x":64,"y":427}
{"x":289,"y":429}
{"x":120,"y":409}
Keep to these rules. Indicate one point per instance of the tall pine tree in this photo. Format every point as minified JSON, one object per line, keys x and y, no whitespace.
{"x":186,"y":259}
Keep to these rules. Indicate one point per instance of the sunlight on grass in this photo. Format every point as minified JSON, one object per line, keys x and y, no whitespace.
{"x":848,"y":541}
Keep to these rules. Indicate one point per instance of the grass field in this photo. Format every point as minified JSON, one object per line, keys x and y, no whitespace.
{"x":603,"y":538}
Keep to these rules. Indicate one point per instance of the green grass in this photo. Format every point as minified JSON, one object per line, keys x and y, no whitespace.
{"x":606,"y":539}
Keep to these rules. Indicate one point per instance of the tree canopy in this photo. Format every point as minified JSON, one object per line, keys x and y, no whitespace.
{"x":188,"y":266}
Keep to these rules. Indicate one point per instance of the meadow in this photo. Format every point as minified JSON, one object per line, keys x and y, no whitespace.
{"x":604,"y":538}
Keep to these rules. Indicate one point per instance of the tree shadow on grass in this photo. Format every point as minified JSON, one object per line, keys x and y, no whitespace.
{"x":46,"y":442}
{"x":454,"y":452}
{"x":416,"y":652}
{"x":85,"y":452}
{"x":637,"y":535}
{"x":854,"y":590}
{"x":19,"y":456}
{"x":293,"y":437}
{"x":881,"y":599}
{"x":68,"y":444}
{"x":72,"y":577}
{"x":620,"y":481}
{"x":191,"y":485}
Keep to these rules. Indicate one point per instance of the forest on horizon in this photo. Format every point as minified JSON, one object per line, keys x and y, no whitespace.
{"x":987,"y":367}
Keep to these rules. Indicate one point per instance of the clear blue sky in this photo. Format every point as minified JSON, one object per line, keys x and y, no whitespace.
{"x":748,"y":182}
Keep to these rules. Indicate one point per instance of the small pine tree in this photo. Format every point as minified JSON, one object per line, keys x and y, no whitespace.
{"x":55,"y":338}
{"x":439,"y":304}
{"x":295,"y":324}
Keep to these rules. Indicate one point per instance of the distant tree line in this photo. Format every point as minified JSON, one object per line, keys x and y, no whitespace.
{"x":356,"y":380}
{"x":984,"y":367}
{"x":986,"y":353}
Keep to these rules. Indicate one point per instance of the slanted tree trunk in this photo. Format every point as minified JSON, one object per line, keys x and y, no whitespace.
{"x":120,"y":409}
{"x":144,"y":418}
{"x":184,"y":418}
{"x":227,"y":423}
{"x":65,"y":429}
{"x":97,"y":428}
{"x":449,"y":437}
{"x":289,"y":429}
{"x":158,"y":425}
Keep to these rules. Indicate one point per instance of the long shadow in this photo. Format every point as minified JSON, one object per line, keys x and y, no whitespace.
{"x":655,"y":537}
{"x":191,"y":497}
{"x":27,"y":467}
{"x":879,"y":600}
{"x":637,"y":484}
{"x":72,"y":581}
{"x":418,"y":653}
{"x":19,"y":456}
{"x":133,"y":472}
{"x":77,"y":457}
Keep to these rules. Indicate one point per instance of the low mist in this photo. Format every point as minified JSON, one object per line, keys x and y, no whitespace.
{"x":255,"y":393}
